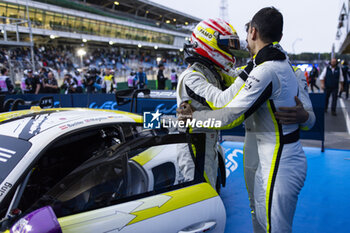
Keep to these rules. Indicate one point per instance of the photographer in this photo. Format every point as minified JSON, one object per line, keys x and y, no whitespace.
{"x":92,"y":81}
{"x":32,"y":82}
{"x":69,"y":85}
{"x":50,"y":84}
{"x":79,"y":81}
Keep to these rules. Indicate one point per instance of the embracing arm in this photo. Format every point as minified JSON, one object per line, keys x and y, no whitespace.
{"x":302,"y":113}
{"x":199,"y":89}
{"x":255,"y":91}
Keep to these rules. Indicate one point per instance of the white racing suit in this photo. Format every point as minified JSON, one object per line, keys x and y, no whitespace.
{"x":192,"y":85}
{"x":251,"y":153}
{"x":275,"y":164}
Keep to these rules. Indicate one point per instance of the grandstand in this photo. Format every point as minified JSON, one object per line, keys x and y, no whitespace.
{"x":121,"y":35}
{"x":133,"y":24}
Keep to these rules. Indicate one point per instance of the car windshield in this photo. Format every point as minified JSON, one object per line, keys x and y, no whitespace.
{"x":12,"y":150}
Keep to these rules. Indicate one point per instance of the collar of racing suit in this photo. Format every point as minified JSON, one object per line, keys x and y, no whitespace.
{"x":271,"y":52}
{"x":208,"y":64}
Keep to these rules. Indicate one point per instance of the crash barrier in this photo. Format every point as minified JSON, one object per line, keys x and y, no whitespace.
{"x":152,"y":84}
{"x":12,"y":104}
{"x":165,"y":102}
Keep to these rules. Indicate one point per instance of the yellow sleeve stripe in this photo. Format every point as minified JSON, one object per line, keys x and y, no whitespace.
{"x":235,"y":123}
{"x":241,"y":67}
{"x":295,"y":68}
{"x":213,"y":107}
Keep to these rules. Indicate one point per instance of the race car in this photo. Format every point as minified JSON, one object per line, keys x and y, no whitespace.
{"x":88,"y":170}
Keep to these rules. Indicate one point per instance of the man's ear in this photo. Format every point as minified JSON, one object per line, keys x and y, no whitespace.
{"x":253,"y":33}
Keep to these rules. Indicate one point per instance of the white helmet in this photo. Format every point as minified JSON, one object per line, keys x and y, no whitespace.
{"x":216,"y":40}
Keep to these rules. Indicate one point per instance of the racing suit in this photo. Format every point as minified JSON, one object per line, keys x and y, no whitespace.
{"x":192,"y":83}
{"x":274,"y":159}
{"x":250,"y":151}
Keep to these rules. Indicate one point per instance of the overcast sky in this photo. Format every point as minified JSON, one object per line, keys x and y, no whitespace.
{"x":310,"y":25}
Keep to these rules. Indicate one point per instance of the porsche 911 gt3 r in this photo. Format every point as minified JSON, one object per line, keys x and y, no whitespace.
{"x":99,"y":171}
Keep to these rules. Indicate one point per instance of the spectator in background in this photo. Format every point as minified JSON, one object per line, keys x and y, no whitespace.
{"x":50,"y":84}
{"x":98,"y":81}
{"x":306,"y":74}
{"x":79,"y":81}
{"x":108,"y":81}
{"x":330,"y":78}
{"x":24,"y":87}
{"x":92,"y":81}
{"x":69,"y":85}
{"x":141,"y":79}
{"x":132,"y":80}
{"x":6,"y":86}
{"x":345,"y":70}
{"x":313,"y":77}
{"x":43,"y":72}
{"x":160,"y":77}
{"x":173,"y":78}
{"x":32,"y":83}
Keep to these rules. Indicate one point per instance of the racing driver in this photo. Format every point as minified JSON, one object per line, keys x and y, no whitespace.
{"x":210,"y":57}
{"x":281,"y":164}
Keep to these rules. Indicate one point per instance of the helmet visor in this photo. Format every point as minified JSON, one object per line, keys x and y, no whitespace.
{"x":229,"y":43}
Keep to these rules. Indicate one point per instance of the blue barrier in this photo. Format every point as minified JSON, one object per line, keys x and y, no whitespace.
{"x":165,"y":102}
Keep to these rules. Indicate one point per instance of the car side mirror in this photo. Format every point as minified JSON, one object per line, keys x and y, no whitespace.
{"x":42,"y":220}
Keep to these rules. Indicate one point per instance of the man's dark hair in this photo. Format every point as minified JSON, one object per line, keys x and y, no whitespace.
{"x":269,"y":23}
{"x":3,"y":71}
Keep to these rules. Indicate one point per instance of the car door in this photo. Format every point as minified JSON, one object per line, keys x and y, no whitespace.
{"x":107,"y":193}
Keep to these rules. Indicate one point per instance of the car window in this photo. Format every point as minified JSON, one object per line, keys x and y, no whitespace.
{"x":89,"y":187}
{"x":164,"y":175}
{"x":116,"y":175}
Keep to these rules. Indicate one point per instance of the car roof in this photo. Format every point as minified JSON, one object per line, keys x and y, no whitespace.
{"x":26,"y":124}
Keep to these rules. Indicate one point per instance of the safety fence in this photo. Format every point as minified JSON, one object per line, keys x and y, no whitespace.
{"x":164,"y":101}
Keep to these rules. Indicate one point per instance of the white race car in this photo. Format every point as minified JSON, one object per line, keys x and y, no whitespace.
{"x":84,"y":170}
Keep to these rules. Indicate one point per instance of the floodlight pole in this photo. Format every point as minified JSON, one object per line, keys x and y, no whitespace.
{"x":81,"y":60}
{"x":31,"y":37}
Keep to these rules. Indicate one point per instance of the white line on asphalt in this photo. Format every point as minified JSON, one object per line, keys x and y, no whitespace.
{"x":346,"y":114}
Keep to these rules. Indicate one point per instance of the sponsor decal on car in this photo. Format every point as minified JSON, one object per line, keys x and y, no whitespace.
{"x":5,"y":188}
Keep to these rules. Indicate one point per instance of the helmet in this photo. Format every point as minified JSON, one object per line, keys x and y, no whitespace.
{"x":216,"y":40}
